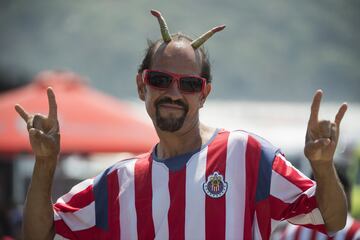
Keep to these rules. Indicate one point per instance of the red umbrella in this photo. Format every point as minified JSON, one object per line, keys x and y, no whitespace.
{"x":90,"y":121}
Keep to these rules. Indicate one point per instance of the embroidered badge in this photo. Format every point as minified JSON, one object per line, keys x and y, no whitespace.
{"x":215,"y":185}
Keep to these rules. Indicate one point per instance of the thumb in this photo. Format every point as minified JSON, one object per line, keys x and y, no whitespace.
{"x":36,"y":135}
{"x":318,"y":144}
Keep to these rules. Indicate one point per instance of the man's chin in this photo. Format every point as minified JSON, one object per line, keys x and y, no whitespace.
{"x":170,"y":124}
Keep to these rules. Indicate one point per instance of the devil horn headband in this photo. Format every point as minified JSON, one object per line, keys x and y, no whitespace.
{"x":196,"y":43}
{"x":163,"y":26}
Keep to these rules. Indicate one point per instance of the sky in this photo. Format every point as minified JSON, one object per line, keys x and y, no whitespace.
{"x":278,"y":51}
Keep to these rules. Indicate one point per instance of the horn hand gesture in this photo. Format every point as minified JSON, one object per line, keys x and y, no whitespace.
{"x":322,"y":136}
{"x":43,"y":130}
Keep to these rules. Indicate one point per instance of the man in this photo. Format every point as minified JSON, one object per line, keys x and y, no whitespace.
{"x":351,"y":231}
{"x":197,"y":182}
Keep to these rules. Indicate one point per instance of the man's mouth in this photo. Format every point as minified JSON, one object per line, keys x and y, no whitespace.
{"x":171,"y":106}
{"x":167,"y":104}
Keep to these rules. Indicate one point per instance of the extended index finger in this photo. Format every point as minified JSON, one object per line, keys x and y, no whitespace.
{"x":315,"y":107}
{"x":52,"y":104}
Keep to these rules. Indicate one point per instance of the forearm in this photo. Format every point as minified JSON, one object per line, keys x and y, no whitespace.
{"x":38,"y":213}
{"x":330,"y":196}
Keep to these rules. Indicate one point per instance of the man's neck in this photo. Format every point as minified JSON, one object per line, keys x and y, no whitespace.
{"x":174,"y":144}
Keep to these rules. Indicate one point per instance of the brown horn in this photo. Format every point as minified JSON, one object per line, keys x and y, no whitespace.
{"x":163,"y":27}
{"x":203,"y":38}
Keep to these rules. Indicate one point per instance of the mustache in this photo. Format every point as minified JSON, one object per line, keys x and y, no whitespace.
{"x":170,"y":101}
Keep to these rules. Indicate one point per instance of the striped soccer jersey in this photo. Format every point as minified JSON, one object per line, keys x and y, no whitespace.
{"x":237,"y":186}
{"x":351,"y":231}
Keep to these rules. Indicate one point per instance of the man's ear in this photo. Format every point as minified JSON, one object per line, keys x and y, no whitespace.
{"x":205,"y":94}
{"x":140,"y":86}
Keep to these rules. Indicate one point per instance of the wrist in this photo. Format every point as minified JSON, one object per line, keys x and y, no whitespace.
{"x":323,"y":169}
{"x":47,"y":158}
{"x":42,"y":178}
{"x":45,"y":166}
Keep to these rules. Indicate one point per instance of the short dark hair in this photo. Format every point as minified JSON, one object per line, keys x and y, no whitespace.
{"x":149,"y":52}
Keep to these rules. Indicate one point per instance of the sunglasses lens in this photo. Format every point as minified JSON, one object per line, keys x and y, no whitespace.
{"x":159,"y":80}
{"x":191,"y":84}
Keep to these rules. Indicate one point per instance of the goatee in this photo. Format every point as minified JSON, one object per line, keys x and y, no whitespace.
{"x":170,"y":123}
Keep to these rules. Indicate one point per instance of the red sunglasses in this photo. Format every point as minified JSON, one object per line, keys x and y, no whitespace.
{"x":163,"y":80}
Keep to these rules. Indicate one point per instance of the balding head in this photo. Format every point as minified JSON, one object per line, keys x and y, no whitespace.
{"x":178,"y":57}
{"x":179,"y":52}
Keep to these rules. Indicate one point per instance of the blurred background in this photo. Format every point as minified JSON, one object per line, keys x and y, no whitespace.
{"x":266,"y":66}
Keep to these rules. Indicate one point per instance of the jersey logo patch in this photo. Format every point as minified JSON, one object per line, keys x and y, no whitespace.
{"x":215,"y":186}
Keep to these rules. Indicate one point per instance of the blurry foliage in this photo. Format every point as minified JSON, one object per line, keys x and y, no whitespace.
{"x":355,"y":211}
{"x":281,"y":50}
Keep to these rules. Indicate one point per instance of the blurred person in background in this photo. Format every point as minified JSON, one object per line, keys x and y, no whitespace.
{"x":6,"y":225}
{"x":351,"y":231}
{"x":198,"y":182}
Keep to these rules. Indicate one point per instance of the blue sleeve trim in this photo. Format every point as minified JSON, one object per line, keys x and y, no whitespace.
{"x":268,"y":152}
{"x":101,"y":200}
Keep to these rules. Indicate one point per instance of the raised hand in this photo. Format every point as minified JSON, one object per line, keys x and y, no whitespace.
{"x":43,"y":131}
{"x":322,"y":136}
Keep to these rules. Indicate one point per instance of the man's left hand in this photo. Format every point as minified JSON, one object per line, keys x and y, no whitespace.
{"x":322,"y":136}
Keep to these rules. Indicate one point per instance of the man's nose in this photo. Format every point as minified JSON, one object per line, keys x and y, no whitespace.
{"x":173,"y":91}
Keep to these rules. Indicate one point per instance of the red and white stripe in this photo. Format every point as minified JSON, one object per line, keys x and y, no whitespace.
{"x":289,"y":188}
{"x":154,"y":202}
{"x":75,"y":210}
{"x":351,"y":231}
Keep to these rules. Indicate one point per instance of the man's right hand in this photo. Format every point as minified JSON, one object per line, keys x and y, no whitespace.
{"x":38,"y":222}
{"x":43,"y":131}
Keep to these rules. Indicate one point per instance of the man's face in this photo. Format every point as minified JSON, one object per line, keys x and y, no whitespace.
{"x":170,"y":109}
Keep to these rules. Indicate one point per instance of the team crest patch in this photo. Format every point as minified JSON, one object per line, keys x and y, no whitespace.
{"x":215,"y":185}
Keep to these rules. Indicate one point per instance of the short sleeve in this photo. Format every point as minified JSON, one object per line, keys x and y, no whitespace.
{"x":75,"y":211}
{"x":90,"y":210}
{"x":292,"y":196}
